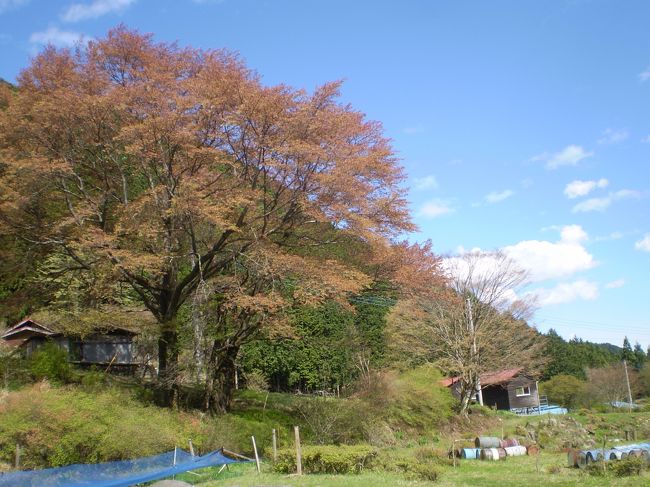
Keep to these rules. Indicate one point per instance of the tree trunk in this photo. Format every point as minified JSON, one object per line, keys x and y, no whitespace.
{"x":464,"y":403}
{"x":467,"y":392}
{"x":220,"y":384}
{"x":168,"y":364}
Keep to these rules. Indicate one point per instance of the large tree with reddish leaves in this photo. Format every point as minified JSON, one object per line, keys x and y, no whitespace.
{"x":166,"y":169}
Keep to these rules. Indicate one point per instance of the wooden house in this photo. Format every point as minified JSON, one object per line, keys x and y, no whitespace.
{"x":510,"y":389}
{"x":109,"y":346}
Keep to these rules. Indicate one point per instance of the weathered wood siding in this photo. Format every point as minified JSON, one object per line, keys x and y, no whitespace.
{"x":522,"y":401}
{"x":104,"y":349}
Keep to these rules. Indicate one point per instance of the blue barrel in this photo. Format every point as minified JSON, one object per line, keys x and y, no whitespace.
{"x":470,"y":453}
{"x":594,"y":455}
{"x":614,"y":454}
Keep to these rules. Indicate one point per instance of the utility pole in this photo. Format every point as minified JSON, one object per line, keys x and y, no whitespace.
{"x":627,"y":379}
{"x":474,"y":352}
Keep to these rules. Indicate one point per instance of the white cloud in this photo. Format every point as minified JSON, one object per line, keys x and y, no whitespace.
{"x":615,"y":284}
{"x":427,"y":182}
{"x":56,"y":37}
{"x":645,"y":74}
{"x":592,"y":204}
{"x":435,"y":208}
{"x":94,"y":9}
{"x":613,"y":136}
{"x":611,"y":236}
{"x":6,"y":5}
{"x":544,"y":261}
{"x":573,"y":234}
{"x":643,"y":244}
{"x":553,"y":260}
{"x":582,"y":188}
{"x":495,"y":197}
{"x":566,"y":292}
{"x":571,"y":155}
{"x":601,"y":204}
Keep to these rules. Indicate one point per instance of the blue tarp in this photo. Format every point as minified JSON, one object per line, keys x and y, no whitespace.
{"x":114,"y":474}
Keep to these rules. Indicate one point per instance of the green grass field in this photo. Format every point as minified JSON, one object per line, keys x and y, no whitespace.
{"x":549,"y":469}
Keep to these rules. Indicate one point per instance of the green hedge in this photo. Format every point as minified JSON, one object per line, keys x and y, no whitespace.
{"x":628,"y":467}
{"x":332,"y":459}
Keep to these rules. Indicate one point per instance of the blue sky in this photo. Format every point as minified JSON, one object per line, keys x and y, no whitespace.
{"x":522,"y":125}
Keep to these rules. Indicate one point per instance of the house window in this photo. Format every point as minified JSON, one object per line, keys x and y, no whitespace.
{"x":522,"y":391}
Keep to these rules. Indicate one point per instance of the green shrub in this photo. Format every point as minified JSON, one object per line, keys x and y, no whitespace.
{"x":565,"y":390}
{"x":628,"y":467}
{"x":422,"y":466}
{"x":256,"y":381}
{"x":93,"y":379}
{"x":14,"y":371}
{"x":50,"y":362}
{"x":413,"y":401}
{"x":332,"y":459}
{"x":333,"y":420}
{"x":424,"y":471}
{"x":596,"y":469}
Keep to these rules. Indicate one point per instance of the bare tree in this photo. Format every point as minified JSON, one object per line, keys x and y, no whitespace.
{"x":475,"y":326}
{"x":608,"y":385}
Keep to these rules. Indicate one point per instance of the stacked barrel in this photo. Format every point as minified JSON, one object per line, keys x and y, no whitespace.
{"x":493,"y":449}
{"x":582,"y":458}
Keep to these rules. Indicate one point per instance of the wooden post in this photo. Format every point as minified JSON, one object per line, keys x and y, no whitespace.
{"x":453,"y":452}
{"x":604,"y":460}
{"x":265,"y":400}
{"x":629,"y":391}
{"x":296,"y":431}
{"x":275,"y":445}
{"x":17,"y":455}
{"x":257,"y":458}
{"x":174,"y":476}
{"x":191,"y":447}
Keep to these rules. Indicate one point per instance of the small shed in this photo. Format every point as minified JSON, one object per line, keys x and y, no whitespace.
{"x":505,"y":389}
{"x":100,"y":347}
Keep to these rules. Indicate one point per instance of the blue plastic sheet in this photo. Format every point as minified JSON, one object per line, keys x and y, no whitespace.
{"x":115,"y":474}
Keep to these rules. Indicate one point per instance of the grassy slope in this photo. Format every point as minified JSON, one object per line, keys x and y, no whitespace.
{"x":61,"y":420}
